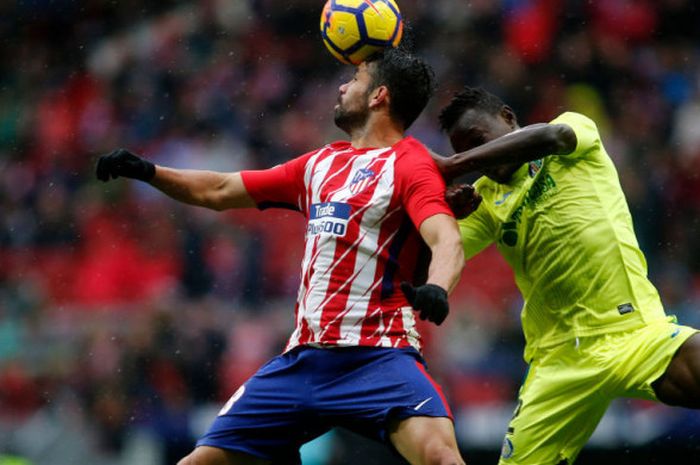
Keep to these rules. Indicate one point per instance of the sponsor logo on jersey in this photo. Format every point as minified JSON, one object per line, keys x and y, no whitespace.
{"x":541,"y":189}
{"x":361,"y":180}
{"x":330,"y":218}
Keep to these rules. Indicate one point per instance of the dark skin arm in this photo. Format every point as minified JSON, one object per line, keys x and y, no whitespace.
{"x":515,"y":148}
{"x":680,"y":383}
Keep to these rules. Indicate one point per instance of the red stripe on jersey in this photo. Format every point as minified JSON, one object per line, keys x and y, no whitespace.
{"x":437,"y":388}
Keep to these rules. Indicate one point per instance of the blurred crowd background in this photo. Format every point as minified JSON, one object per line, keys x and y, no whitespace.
{"x":127,"y":320}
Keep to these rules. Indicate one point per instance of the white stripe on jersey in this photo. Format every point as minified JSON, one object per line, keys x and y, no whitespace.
{"x":320,"y":178}
{"x":324,"y":245}
{"x":308,"y":259}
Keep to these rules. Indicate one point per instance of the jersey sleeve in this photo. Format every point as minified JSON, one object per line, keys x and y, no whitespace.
{"x":587,"y":135}
{"x":420,"y":184}
{"x":477,"y":230}
{"x":279,"y":187}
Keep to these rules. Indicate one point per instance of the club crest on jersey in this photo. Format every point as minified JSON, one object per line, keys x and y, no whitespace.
{"x":534,"y":167}
{"x":330,"y":218}
{"x":361,"y":180}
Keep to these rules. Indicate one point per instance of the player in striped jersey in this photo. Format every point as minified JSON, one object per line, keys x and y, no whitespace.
{"x":594,"y":324}
{"x":353,"y":359}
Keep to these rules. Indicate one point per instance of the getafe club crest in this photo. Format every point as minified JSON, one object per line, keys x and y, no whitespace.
{"x":361,"y":180}
{"x":534,"y":167}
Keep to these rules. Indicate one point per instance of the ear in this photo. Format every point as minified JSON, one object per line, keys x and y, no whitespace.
{"x":509,"y":115}
{"x":378,"y":97}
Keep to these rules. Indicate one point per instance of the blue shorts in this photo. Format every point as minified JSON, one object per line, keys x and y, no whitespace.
{"x":299,"y":395}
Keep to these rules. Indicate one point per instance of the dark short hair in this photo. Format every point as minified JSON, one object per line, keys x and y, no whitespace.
{"x":410,"y":80}
{"x":469,"y":98}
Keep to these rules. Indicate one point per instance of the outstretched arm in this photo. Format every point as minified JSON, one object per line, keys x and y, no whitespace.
{"x":526,"y":144}
{"x":209,"y":189}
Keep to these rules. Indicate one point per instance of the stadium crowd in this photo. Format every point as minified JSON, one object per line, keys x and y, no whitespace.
{"x":122,"y":311}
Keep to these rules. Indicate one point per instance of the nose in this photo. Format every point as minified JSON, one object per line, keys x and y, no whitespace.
{"x":343,"y":88}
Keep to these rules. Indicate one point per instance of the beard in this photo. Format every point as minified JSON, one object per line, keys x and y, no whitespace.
{"x":350,"y":119}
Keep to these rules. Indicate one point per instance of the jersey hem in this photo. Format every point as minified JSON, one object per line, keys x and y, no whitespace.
{"x":531,"y":352}
{"x":342,"y":344}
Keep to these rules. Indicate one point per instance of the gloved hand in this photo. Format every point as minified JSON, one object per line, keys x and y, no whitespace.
{"x":121,"y":162}
{"x":429,"y":299}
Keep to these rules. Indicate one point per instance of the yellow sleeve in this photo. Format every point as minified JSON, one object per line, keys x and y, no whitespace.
{"x":587,"y":135}
{"x":478,"y":231}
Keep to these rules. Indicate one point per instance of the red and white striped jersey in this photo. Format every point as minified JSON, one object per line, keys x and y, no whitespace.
{"x":363,"y":208}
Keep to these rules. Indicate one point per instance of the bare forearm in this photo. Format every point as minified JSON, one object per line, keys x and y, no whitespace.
{"x":446,"y":265}
{"x":209,"y":189}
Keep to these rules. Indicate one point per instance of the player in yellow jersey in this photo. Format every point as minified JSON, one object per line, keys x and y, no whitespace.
{"x":594,"y":324}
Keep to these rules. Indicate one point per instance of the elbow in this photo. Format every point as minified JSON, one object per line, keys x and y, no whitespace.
{"x":211,"y":201}
{"x":445,"y":166}
{"x":561,"y":139}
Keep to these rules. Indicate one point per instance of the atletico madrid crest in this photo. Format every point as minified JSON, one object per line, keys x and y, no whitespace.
{"x":361,"y":180}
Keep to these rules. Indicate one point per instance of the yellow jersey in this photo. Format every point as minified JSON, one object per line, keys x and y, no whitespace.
{"x":563,"y":225}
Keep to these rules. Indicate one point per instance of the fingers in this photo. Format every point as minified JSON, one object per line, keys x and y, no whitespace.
{"x":476,"y":200}
{"x":463,"y":200}
{"x":101,"y":170}
{"x":105,"y":167}
{"x":114,"y":164}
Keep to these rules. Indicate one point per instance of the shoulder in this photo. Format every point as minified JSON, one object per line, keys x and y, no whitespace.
{"x":410,"y":147}
{"x":585,"y":129}
{"x":577,"y":121}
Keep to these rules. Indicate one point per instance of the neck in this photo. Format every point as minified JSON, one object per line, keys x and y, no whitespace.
{"x":378,"y":132}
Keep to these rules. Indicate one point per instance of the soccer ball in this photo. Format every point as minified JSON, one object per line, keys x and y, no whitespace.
{"x":355,"y":29}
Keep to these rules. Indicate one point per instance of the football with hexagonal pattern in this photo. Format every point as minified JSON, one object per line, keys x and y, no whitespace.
{"x":355,"y":29}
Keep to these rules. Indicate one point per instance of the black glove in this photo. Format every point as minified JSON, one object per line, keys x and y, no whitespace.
{"x":429,"y":299}
{"x":121,"y":162}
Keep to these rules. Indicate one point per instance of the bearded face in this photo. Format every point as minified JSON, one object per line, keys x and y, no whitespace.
{"x":352,"y":110}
